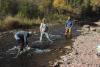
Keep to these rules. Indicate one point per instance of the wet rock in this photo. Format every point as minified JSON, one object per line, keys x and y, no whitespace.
{"x":67,"y":47}
{"x":86,"y":26}
{"x":86,"y":29}
{"x":92,"y":29}
{"x":76,"y":53}
{"x":59,"y":64}
{"x":41,"y":45}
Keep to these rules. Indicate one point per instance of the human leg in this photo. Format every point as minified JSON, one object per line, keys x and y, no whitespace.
{"x":47,"y":36}
{"x":66,"y":33}
{"x":41,"y":36}
{"x":69,"y":32}
{"x":17,"y":43}
{"x":21,"y":44}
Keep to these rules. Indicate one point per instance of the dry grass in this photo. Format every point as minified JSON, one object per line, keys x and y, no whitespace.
{"x":10,"y":23}
{"x":17,"y":22}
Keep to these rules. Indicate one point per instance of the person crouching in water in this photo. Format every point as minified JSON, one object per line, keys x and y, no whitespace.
{"x":44,"y":30}
{"x":22,"y":39}
{"x":68,"y":27}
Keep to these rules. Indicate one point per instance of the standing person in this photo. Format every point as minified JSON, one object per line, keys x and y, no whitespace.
{"x":68,"y":27}
{"x":44,"y":30}
{"x":22,"y":39}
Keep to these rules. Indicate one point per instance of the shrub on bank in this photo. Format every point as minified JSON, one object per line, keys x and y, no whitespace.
{"x":17,"y":22}
{"x":10,"y":23}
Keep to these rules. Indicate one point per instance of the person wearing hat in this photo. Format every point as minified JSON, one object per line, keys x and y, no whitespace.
{"x":68,"y":26}
{"x":22,"y":39}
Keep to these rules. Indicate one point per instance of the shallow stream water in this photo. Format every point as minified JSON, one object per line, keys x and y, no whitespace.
{"x":43,"y":55}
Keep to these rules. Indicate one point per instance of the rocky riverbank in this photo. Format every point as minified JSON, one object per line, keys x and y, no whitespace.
{"x":84,"y":51}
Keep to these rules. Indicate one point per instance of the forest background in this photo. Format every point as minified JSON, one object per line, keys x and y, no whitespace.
{"x":16,"y":14}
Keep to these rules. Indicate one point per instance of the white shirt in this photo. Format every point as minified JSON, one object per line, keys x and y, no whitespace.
{"x":42,"y":27}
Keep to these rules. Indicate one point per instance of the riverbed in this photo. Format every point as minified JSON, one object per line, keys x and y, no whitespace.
{"x":35,"y":58}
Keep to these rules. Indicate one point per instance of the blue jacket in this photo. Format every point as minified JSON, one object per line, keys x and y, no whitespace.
{"x":22,"y":34}
{"x":68,"y":23}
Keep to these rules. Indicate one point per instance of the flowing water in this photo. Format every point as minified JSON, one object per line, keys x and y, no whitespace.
{"x":42,"y":55}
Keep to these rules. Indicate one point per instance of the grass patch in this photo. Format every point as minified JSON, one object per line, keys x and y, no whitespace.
{"x":17,"y":22}
{"x":10,"y":23}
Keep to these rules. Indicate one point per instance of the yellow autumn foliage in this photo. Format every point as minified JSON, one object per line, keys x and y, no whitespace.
{"x":95,"y":3}
{"x":59,"y":3}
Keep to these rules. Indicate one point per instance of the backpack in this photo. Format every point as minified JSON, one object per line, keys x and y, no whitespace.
{"x":46,"y":28}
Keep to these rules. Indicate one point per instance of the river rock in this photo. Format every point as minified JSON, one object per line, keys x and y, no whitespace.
{"x":67,"y":47}
{"x":86,"y":28}
{"x":92,"y":29}
{"x":84,"y":50}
